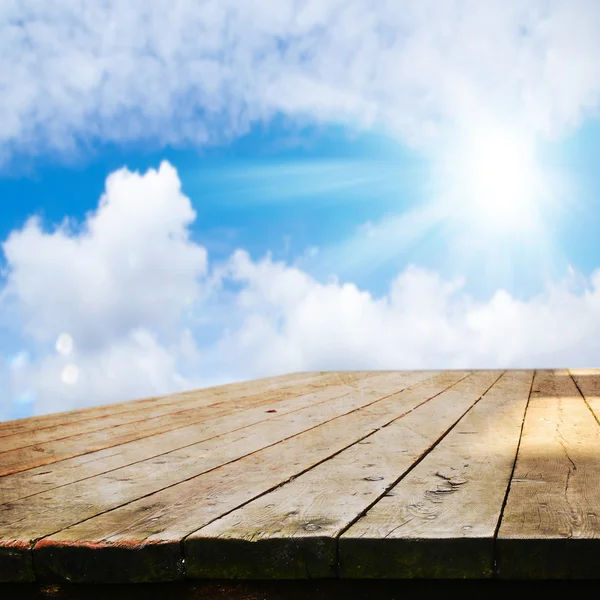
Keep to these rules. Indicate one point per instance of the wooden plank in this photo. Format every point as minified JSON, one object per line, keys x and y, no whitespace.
{"x":588,"y":383}
{"x":550,"y":525}
{"x":220,"y":392}
{"x":291,"y":532}
{"x":141,"y":541}
{"x":157,"y":420}
{"x":212,"y":422}
{"x":44,"y":514}
{"x":56,"y":418}
{"x":440,"y":520}
{"x":37,"y":437}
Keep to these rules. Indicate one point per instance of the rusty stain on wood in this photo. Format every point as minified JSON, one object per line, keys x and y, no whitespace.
{"x":372,"y":474}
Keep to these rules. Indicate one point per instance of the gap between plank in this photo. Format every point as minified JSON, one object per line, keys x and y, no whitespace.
{"x":36,"y":540}
{"x":75,"y":434}
{"x":182,"y":542}
{"x":185,"y":446}
{"x":495,"y":565}
{"x":583,"y":396}
{"x":182,"y":394}
{"x":408,"y":471}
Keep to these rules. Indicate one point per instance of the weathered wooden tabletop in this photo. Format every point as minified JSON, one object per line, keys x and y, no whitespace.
{"x":398,"y":474}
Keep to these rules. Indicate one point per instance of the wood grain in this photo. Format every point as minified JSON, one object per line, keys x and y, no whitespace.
{"x":158,"y":521}
{"x":49,"y":512}
{"x":440,"y":520}
{"x":155,"y":422}
{"x":137,"y":416}
{"x":588,"y":384}
{"x":291,"y":532}
{"x":356,"y":475}
{"x":213,"y":421}
{"x":83,"y":414}
{"x":550,"y":525}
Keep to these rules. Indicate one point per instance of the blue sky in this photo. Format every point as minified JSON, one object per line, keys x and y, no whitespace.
{"x":274,"y":200}
{"x":262,"y":192}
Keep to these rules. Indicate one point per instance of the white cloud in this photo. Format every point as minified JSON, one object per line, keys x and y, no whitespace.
{"x":131,"y":332}
{"x":292,"y":322}
{"x":130,"y":265}
{"x":133,"y":366}
{"x":180,"y":71}
{"x":105,"y":304}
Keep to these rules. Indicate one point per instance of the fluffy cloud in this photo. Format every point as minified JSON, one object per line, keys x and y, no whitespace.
{"x":135,"y":305}
{"x":114,"y":309}
{"x":130,"y":264}
{"x":182,"y":71}
{"x":292,"y":322}
{"x":136,"y":365}
{"x":106,"y":304}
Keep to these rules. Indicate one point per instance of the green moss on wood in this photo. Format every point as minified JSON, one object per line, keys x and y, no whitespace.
{"x":274,"y":558}
{"x":363,"y":558}
{"x":96,"y":563}
{"x":550,"y":558}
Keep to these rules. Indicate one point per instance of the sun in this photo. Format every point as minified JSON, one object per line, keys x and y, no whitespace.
{"x":496,"y":181}
{"x":497,"y":196}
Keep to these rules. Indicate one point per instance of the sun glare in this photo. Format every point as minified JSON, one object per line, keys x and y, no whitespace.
{"x":497,"y":183}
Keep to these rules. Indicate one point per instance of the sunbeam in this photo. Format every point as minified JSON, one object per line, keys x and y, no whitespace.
{"x":495,"y":183}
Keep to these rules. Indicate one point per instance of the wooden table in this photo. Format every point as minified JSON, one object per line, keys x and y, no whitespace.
{"x":312,"y":476}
